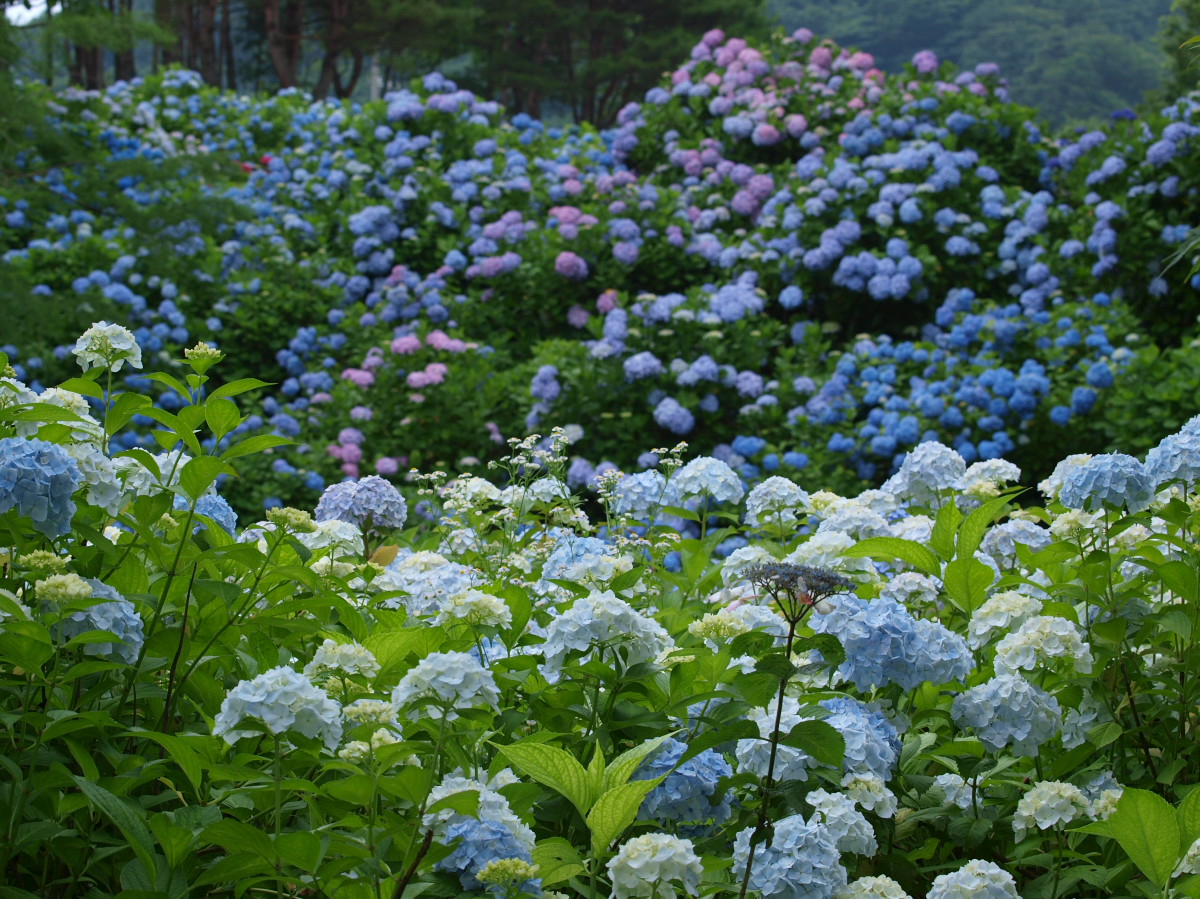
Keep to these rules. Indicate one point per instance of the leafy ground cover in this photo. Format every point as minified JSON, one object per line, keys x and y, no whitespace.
{"x":793,"y":260}
{"x":918,"y":690}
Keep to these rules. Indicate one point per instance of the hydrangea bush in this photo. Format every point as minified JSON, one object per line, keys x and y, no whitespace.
{"x":802,"y":264}
{"x":919,"y":690}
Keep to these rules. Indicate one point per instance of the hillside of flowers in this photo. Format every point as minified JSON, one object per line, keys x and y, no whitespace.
{"x":949,"y":686}
{"x":785,"y":256}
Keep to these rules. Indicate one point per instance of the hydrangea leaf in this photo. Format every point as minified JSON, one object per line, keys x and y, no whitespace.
{"x":557,"y":860}
{"x":1145,"y":826}
{"x":615,"y":811}
{"x":554,"y":768}
{"x":300,"y":849}
{"x":129,"y":822}
{"x":975,"y":525}
{"x":621,"y":768}
{"x":967,"y":581}
{"x":909,"y":551}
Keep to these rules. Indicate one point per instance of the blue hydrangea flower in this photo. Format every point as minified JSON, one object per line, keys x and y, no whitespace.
{"x":283,"y":700}
{"x":116,"y":615}
{"x":475,"y":844}
{"x":686,"y":795}
{"x":215,"y":507}
{"x":371,"y":503}
{"x":1176,"y":458}
{"x":1110,"y":479}
{"x":872,"y":741}
{"x":799,"y":861}
{"x":1009,"y":711}
{"x":638,"y":494}
{"x":38,"y":478}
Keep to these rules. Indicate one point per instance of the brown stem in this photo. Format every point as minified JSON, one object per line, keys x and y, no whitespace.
{"x":412,"y":869}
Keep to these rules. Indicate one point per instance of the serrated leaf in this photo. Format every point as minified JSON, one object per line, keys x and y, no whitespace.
{"x":222,"y":416}
{"x":615,"y":811}
{"x":623,"y":766}
{"x":967,"y":581}
{"x":83,"y":386}
{"x":300,"y":849}
{"x":557,"y":860}
{"x":255,"y":444}
{"x":1145,"y":826}
{"x":392,"y":647}
{"x":945,"y":526}
{"x":128,"y":820}
{"x":1188,"y":817}
{"x":234,"y":388}
{"x":555,"y":768}
{"x":975,"y":525}
{"x":908,"y":551}
{"x":627,"y":579}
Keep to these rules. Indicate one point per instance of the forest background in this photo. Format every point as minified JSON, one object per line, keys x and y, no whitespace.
{"x":1076,"y":61}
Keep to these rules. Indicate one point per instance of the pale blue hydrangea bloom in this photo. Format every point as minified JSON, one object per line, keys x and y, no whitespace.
{"x":687,"y":793}
{"x":775,"y":502}
{"x":284,"y":701}
{"x":926,"y":473}
{"x":639,"y":494}
{"x":1008,"y":711}
{"x":976,"y":879}
{"x":116,"y":615}
{"x":1048,"y":804}
{"x":107,"y":346}
{"x":707,"y":477}
{"x":104,"y":487}
{"x":1176,"y":458}
{"x":446,"y":683}
{"x":215,"y":507}
{"x":801,"y":861}
{"x":1110,"y":479}
{"x":872,"y":741}
{"x":371,"y":503}
{"x":38,"y":479}
{"x":885,"y":644}
{"x":602,"y":620}
{"x":1001,"y":541}
{"x":754,"y":756}
{"x":850,"y":829}
{"x":648,"y":866}
{"x":1044,"y":642}
{"x":876,"y":887}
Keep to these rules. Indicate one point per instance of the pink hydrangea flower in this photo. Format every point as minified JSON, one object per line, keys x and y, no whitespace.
{"x":359,"y":377}
{"x":409,"y":343}
{"x":387,"y":466}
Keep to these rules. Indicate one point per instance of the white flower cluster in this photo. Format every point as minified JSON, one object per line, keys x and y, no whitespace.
{"x":598,"y":620}
{"x":474,"y":607}
{"x":283,"y":700}
{"x":450,"y":682}
{"x":845,"y":823}
{"x":977,"y":879}
{"x":370,"y":711}
{"x":958,"y":792}
{"x":754,"y":756}
{"x":725,"y":624}
{"x":350,"y":658}
{"x":647,"y":867}
{"x":879,"y":887}
{"x":1002,"y":612}
{"x":1048,"y":804}
{"x":912,"y":590}
{"x":870,"y":792}
{"x":704,"y":476}
{"x":1041,"y":639}
{"x":855,"y":520}
{"x":469,"y":494}
{"x":984,"y":479}
{"x":107,"y":346}
{"x":361,"y":750}
{"x":774,"y":503}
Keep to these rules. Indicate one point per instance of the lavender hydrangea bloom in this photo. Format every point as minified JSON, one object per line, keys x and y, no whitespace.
{"x":283,"y":700}
{"x":1110,"y":479}
{"x":674,"y":417}
{"x":686,"y":794}
{"x":38,"y":479}
{"x":801,"y":861}
{"x":371,"y":503}
{"x":1009,"y":711}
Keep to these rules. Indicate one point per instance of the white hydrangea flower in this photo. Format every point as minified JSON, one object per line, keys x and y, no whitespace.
{"x":62,"y":589}
{"x":1049,"y":804}
{"x":453,"y":681}
{"x":1000,"y":613}
{"x":283,"y":700}
{"x":469,"y":494}
{"x":493,"y":805}
{"x":104,"y":488}
{"x":740,"y":559}
{"x":824,"y":550}
{"x":983,"y":480}
{"x":918,"y":528}
{"x":977,"y":879}
{"x":1039,"y":640}
{"x":87,"y":430}
{"x":1076,"y":524}
{"x":879,"y":887}
{"x":1190,"y":863}
{"x":912,"y":589}
{"x":474,"y":607}
{"x":958,"y":791}
{"x":774,"y":503}
{"x":345,"y":538}
{"x":851,"y":831}
{"x":723,"y":625}
{"x":871,"y":793}
{"x":602,"y":619}
{"x":855,"y":520}
{"x":754,"y":756}
{"x":107,"y":346}
{"x":647,"y":867}
{"x":371,"y":711}
{"x":361,"y":750}
{"x":1052,"y":486}
{"x":704,"y":476}
{"x":351,"y":658}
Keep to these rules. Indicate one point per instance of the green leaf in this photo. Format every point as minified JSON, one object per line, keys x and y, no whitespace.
{"x":176,"y":841}
{"x":234,"y":836}
{"x":83,"y":386}
{"x":967,"y":581}
{"x":557,"y":860}
{"x":222,"y":416}
{"x":622,"y":767}
{"x":200,"y":473}
{"x":577,"y":590}
{"x":181,"y":753}
{"x":615,"y":811}
{"x":169,"y":381}
{"x":391,"y":648}
{"x":123,"y":409}
{"x":235,"y":867}
{"x":554,"y":768}
{"x":970,"y":533}
{"x":25,"y":644}
{"x":1181,"y":579}
{"x":819,"y":740}
{"x":941,"y":540}
{"x":234,"y":388}
{"x":1188,"y":818}
{"x":1145,"y":826}
{"x":908,"y":551}
{"x":626,"y":580}
{"x":465,"y":802}
{"x":256,"y":444}
{"x":300,"y":849}
{"x":123,"y":814}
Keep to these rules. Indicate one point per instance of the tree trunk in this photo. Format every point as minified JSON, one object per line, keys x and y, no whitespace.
{"x":346,"y":89}
{"x":227,"y":46}
{"x":335,"y":40}
{"x":282,"y":19}
{"x":124,"y":66}
{"x":205,"y":31}
{"x":166,"y":15}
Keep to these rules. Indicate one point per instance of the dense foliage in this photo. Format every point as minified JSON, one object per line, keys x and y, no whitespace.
{"x":785,"y":255}
{"x":921,"y":690}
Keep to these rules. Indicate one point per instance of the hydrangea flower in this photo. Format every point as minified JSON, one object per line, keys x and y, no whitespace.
{"x":1008,"y":711}
{"x":704,"y":477}
{"x":1002,"y":612}
{"x":877,"y":887}
{"x":107,"y":346}
{"x":754,"y":756}
{"x":687,"y":792}
{"x":349,"y":658}
{"x":927,"y":473}
{"x":849,"y":829}
{"x":1048,"y":804}
{"x":115,"y":614}
{"x":975,"y":880}
{"x":38,"y":479}
{"x":1040,"y":641}
{"x":1176,"y":458}
{"x":774,"y":503}
{"x":648,"y":866}
{"x":638,"y":494}
{"x":800,"y":861}
{"x":601,"y":619}
{"x":449,"y":682}
{"x":372,"y":504}
{"x":872,"y":741}
{"x":1110,"y":479}
{"x":283,"y":701}
{"x":474,"y":607}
